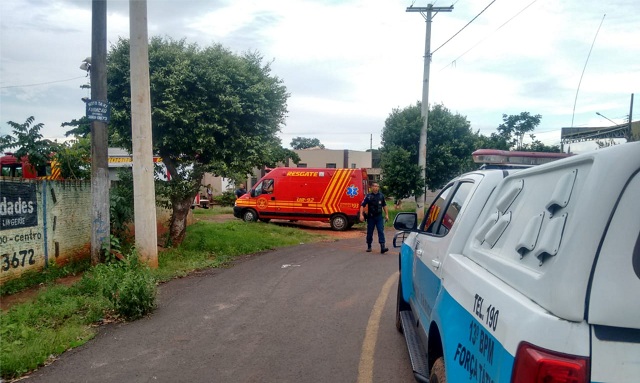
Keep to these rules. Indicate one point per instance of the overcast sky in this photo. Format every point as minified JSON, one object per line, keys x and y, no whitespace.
{"x":348,"y":63}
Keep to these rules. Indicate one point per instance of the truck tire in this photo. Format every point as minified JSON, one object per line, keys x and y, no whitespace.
{"x":339,"y":222}
{"x":250,"y":215}
{"x":437,"y":374}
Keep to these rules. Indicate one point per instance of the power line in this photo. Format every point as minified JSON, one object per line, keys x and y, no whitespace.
{"x":472,"y":20}
{"x":481,"y":41}
{"x":41,"y":83}
{"x":585,"y":68}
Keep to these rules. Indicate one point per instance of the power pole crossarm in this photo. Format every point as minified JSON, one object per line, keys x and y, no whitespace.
{"x":422,"y":152}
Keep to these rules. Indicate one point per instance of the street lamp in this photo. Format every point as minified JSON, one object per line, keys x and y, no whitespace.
{"x":86,"y":65}
{"x":613,"y":122}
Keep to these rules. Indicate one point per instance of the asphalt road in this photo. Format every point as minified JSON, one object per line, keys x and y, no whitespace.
{"x":321,"y":312}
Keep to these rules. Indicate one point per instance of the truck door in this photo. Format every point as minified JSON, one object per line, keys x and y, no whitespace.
{"x":432,"y":244}
{"x":265,"y":197}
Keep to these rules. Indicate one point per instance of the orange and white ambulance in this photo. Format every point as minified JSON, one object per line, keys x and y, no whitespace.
{"x":306,"y":194}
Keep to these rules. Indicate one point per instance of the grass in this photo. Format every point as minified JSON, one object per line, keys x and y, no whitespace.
{"x":63,"y":317}
{"x":213,"y":210}
{"x":46,"y":276}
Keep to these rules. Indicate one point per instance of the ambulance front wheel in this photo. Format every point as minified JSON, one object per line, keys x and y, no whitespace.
{"x":250,"y":215}
{"x":339,"y":222}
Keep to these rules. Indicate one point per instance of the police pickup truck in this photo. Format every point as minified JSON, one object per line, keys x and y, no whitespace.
{"x":526,"y":275}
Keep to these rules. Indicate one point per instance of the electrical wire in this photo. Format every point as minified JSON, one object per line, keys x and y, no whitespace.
{"x":42,"y":83}
{"x":584,"y":69}
{"x":453,"y":62}
{"x":456,"y":34}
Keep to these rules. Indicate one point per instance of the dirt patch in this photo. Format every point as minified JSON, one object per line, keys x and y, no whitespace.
{"x":6,"y":302}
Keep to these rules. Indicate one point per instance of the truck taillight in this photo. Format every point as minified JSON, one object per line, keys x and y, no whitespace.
{"x":536,"y":365}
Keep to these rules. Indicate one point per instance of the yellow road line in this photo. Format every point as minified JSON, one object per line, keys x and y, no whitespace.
{"x":365,"y":368}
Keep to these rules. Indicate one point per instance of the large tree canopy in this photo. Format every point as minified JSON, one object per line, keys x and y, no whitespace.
{"x":212,"y":111}
{"x":450,"y":143}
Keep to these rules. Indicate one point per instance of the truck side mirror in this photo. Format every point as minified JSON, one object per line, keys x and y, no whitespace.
{"x":405,"y":221}
{"x":252,"y":193}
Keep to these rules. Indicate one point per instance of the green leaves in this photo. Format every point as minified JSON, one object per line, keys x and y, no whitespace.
{"x":29,"y":142}
{"x":212,"y":111}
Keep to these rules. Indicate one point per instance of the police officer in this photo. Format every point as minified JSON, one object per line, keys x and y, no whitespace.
{"x":376,"y":205}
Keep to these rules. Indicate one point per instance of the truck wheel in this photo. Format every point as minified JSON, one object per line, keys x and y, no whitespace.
{"x":339,"y":222}
{"x":249,"y":215}
{"x":437,"y":374}
{"x":401,"y":305}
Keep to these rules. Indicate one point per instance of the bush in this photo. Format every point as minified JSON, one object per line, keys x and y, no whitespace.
{"x":228,"y":198}
{"x":129,"y":287}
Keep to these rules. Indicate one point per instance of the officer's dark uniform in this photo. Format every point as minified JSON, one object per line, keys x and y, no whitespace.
{"x":375,"y":203}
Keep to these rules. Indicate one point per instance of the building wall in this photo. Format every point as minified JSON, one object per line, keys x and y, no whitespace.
{"x":42,"y":222}
{"x":320,"y":158}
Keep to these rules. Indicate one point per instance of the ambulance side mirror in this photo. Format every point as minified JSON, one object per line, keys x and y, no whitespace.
{"x":405,"y":221}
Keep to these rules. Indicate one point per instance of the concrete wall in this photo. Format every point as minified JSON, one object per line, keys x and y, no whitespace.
{"x":42,"y":222}
{"x":319,"y":158}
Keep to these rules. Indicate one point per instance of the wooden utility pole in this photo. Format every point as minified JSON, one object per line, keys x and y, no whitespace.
{"x":144,"y":193}
{"x":100,"y":222}
{"x":422,"y":150}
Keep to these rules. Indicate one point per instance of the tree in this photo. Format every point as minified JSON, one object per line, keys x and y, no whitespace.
{"x":213,"y":111}
{"x":305,"y":143}
{"x":74,"y":159}
{"x":514,"y":127}
{"x":450,"y":143}
{"x":399,"y":153}
{"x":30,"y":143}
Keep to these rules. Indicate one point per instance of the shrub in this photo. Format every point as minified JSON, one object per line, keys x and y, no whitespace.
{"x":129,"y":287}
{"x":228,"y":198}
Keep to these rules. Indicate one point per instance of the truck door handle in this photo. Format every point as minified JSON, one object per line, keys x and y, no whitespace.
{"x":273,"y":198}
{"x":419,"y":252}
{"x":435,"y":264}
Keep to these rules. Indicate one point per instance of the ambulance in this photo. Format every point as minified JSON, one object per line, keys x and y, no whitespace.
{"x":526,"y":275}
{"x":306,"y":194}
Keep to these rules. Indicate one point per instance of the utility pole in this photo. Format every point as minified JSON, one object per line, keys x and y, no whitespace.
{"x":144,"y":193}
{"x":100,"y":222}
{"x":422,"y":152}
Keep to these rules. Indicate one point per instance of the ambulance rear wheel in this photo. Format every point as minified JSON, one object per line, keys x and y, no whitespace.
{"x":250,"y":215}
{"x":339,"y":222}
{"x":437,"y":374}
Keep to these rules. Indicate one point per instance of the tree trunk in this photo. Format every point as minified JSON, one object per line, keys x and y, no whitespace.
{"x":178,"y":224}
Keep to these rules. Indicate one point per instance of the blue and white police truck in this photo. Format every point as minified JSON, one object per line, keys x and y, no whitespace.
{"x":526,"y":275}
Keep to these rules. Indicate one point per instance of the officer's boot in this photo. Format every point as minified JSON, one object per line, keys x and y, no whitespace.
{"x":383,"y":248}
{"x":368,"y":247}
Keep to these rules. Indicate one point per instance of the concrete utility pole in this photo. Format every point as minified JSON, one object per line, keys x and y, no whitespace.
{"x":100,"y":222}
{"x":422,"y":152}
{"x":144,"y":193}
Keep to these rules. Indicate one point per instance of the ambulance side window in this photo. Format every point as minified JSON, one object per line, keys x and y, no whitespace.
{"x":268,"y":186}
